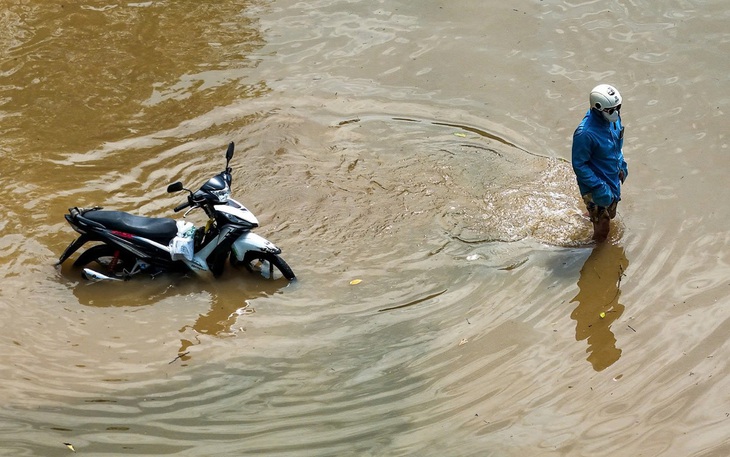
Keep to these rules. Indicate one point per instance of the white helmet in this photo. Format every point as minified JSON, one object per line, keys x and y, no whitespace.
{"x":605,"y":96}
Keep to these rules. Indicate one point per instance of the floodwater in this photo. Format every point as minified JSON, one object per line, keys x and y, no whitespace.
{"x":421,"y":148}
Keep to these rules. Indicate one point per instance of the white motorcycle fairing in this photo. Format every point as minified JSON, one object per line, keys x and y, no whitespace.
{"x":250,"y":241}
{"x":237,"y":210}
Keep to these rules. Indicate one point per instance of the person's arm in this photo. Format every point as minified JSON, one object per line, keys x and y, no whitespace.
{"x":624,"y":167}
{"x":600,"y":192}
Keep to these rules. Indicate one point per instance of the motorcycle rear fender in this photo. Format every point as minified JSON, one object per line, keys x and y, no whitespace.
{"x":250,"y":241}
{"x":73,"y":247}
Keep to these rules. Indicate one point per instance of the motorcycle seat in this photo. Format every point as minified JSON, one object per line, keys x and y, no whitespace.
{"x":157,"y":228}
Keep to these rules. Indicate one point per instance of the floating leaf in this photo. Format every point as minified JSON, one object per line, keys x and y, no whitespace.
{"x":355,"y":282}
{"x":460,"y":135}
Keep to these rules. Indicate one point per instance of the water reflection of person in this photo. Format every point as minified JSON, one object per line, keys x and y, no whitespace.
{"x":598,"y":303}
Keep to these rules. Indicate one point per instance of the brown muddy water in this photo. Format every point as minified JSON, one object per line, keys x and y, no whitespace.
{"x":419,"y":147}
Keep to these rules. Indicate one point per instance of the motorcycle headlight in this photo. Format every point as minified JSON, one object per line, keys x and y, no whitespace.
{"x":222,"y":195}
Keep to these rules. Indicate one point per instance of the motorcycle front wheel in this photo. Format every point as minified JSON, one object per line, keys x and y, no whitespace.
{"x":106,"y":260}
{"x":265,"y":264}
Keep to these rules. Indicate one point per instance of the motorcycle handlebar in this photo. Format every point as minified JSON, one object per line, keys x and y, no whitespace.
{"x":181,"y":206}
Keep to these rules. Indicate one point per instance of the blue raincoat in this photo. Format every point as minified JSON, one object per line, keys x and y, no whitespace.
{"x":598,"y":158}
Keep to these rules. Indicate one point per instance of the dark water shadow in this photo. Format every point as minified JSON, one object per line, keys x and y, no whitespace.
{"x":599,"y":291}
{"x":229,"y":297}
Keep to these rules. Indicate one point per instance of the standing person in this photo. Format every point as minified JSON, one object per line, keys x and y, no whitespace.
{"x":598,"y":159}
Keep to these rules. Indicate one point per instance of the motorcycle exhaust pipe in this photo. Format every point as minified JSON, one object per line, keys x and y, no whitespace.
{"x":92,"y":275}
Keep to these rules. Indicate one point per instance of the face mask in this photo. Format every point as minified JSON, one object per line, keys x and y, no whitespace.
{"x":613,"y":117}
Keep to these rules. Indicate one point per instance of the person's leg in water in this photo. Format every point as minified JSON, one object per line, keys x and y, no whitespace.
{"x":600,"y":217}
{"x":602,"y":226}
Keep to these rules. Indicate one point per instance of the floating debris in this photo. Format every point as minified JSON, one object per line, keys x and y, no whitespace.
{"x":414,"y":302}
{"x":514,"y":265}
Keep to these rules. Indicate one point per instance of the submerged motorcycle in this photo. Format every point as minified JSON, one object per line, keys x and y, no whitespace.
{"x":131,"y":244}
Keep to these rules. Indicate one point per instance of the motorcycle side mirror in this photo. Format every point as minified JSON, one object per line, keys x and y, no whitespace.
{"x":229,"y":152}
{"x":175,"y":187}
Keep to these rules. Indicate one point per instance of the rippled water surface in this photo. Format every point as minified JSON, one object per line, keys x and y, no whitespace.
{"x":412,"y":161}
